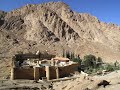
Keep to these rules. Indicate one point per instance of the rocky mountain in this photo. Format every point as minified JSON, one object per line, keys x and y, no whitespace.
{"x":55,"y":27}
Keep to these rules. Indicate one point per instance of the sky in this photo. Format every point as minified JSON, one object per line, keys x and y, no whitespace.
{"x":105,"y":10}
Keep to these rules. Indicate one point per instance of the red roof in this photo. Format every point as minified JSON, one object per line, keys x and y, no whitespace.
{"x":61,"y":59}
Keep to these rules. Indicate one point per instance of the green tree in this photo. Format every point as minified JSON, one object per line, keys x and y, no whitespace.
{"x":77,"y":60}
{"x":116,"y":64}
{"x":63,"y":54}
{"x":67,"y":54}
{"x":99,"y":59}
{"x":90,"y":61}
{"x":72,"y":56}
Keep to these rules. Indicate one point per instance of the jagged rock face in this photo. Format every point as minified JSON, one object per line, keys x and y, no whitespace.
{"x":54,"y":26}
{"x":13,"y":23}
{"x":46,"y":19}
{"x":36,"y":31}
{"x":2,"y":15}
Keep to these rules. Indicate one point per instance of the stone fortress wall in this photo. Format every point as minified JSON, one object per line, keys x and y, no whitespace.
{"x":52,"y":72}
{"x":39,"y":72}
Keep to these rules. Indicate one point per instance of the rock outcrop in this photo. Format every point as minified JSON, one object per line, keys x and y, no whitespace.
{"x":54,"y":26}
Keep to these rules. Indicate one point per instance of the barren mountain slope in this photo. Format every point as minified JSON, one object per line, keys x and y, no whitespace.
{"x":54,"y":26}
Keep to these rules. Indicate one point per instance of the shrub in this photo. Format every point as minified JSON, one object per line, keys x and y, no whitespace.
{"x":110,"y":67}
{"x":90,"y":61}
{"x":116,"y":64}
{"x":99,"y":59}
{"x":92,"y":65}
{"x":77,"y":60}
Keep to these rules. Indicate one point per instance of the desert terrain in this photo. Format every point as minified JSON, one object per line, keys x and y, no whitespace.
{"x":55,"y":27}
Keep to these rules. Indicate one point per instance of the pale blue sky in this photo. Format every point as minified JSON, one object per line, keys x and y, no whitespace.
{"x":105,"y":10}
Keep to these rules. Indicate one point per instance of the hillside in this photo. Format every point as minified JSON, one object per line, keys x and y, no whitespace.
{"x":54,"y":26}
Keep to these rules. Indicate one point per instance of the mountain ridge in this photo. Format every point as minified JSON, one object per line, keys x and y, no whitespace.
{"x":54,"y":26}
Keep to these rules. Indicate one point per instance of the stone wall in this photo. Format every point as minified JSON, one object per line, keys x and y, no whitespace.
{"x":68,"y":70}
{"x":52,"y":72}
{"x":21,"y":73}
{"x":41,"y":56}
{"x":37,"y":73}
{"x":42,"y":72}
{"x":31,"y":73}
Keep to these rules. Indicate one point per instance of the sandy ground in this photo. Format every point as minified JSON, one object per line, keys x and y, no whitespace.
{"x":24,"y":85}
{"x":5,"y":68}
{"x":90,"y":83}
{"x":80,"y":83}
